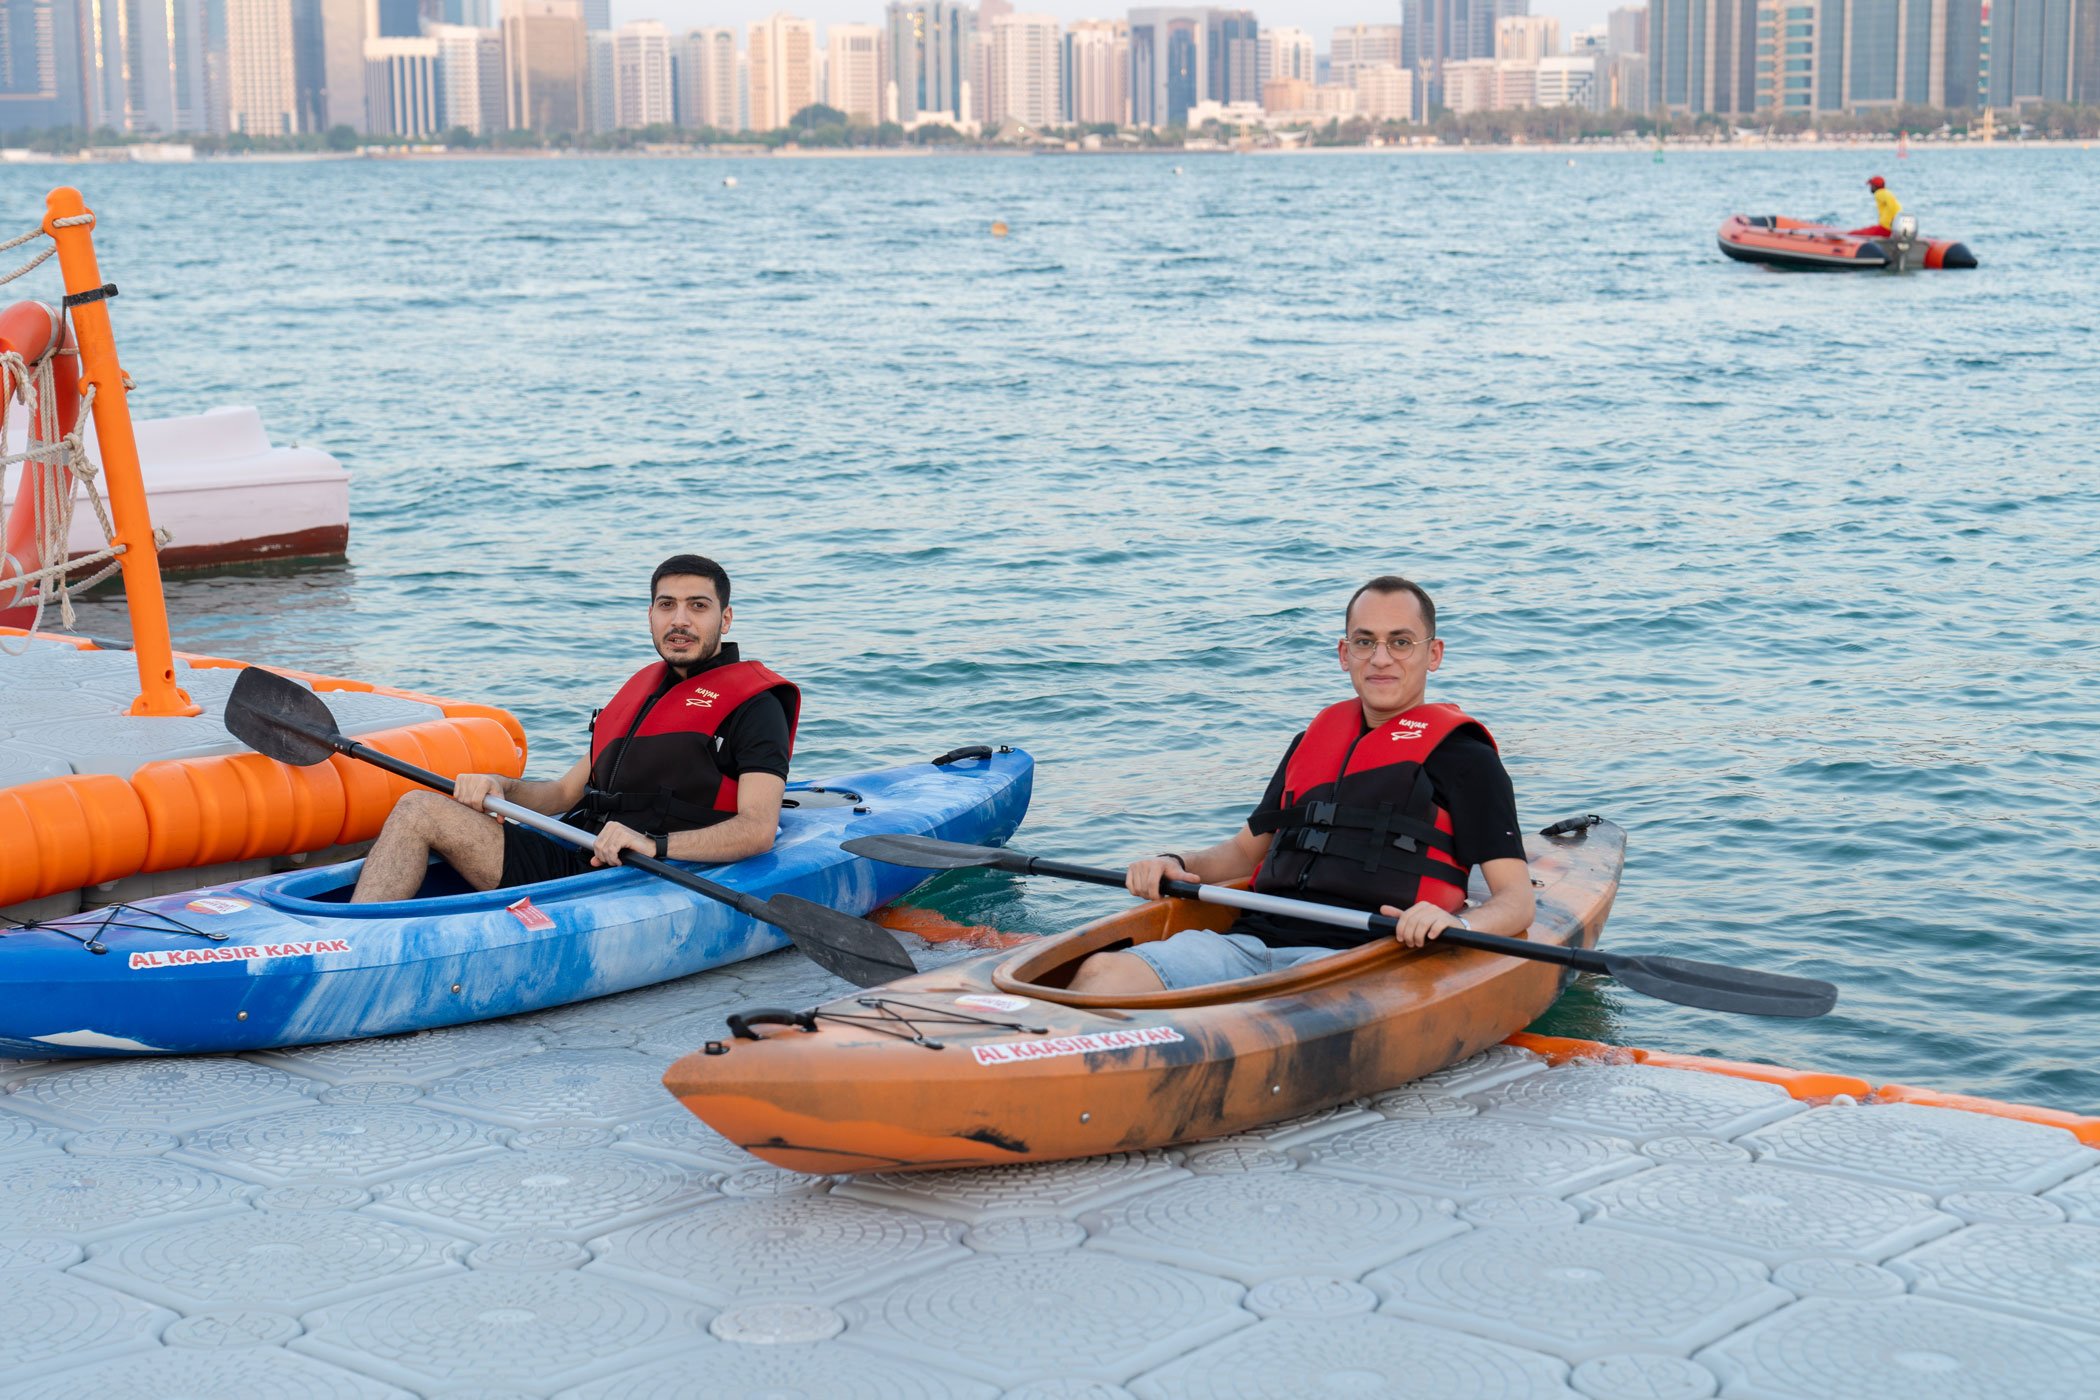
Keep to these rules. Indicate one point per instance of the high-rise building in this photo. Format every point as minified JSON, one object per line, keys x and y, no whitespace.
{"x":401,"y":87}
{"x":1097,"y":72}
{"x":1844,"y":55}
{"x":1234,"y":70}
{"x":1169,"y":64}
{"x":1704,"y":56}
{"x":2033,"y":44}
{"x":1627,"y":28}
{"x":600,"y":115}
{"x":1286,"y":53}
{"x":1527,"y":37}
{"x":853,"y":77}
{"x":707,"y":79}
{"x":545,"y":63}
{"x":1626,"y":83}
{"x":1570,"y":80}
{"x":470,"y":77}
{"x":1384,"y":91}
{"x":1355,"y":44}
{"x":597,"y":15}
{"x":343,"y":35}
{"x":146,"y":64}
{"x":2085,"y":55}
{"x":40,"y":65}
{"x":261,"y":96}
{"x":932,"y":46}
{"x":1021,"y":71}
{"x":783,"y":54}
{"x":1436,"y":32}
{"x":641,"y":78}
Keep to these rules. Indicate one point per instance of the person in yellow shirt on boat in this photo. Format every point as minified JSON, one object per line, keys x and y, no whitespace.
{"x":1886,"y":208}
{"x":1384,"y":802}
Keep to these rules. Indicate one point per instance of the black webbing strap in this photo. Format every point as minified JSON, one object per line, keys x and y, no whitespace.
{"x":101,"y":293}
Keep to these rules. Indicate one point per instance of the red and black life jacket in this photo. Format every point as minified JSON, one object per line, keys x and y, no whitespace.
{"x":1359,"y":824}
{"x":653,"y":765}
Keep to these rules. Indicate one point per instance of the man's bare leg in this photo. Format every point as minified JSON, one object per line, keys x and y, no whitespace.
{"x":420,"y":824}
{"x":1116,"y":974}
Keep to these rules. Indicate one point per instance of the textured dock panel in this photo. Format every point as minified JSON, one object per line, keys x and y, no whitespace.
{"x":1472,"y":1156}
{"x":1032,"y":1188}
{"x":173,"y":1095}
{"x":1257,"y":1225}
{"x":1772,"y":1212}
{"x":254,"y":1373}
{"x":1903,"y":1348}
{"x":796,"y":1248}
{"x":86,"y":1198}
{"x":292,"y":1259}
{"x":354,"y":1141}
{"x":820,"y":1372}
{"x":1011,"y":1317}
{"x":1579,"y":1292}
{"x":2079,"y":1198}
{"x":50,"y":1320}
{"x":680,"y":1136}
{"x":1640,"y":1102}
{"x":2047,"y":1272}
{"x":1360,"y":1356}
{"x":1938,"y":1150}
{"x":603,"y":1087}
{"x":535,"y":1330}
{"x":1492,"y":1066}
{"x":418,"y":1057}
{"x":574,"y":1193}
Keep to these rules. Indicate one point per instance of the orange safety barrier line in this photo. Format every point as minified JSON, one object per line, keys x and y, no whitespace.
{"x":1809,"y":1084}
{"x":68,"y":220}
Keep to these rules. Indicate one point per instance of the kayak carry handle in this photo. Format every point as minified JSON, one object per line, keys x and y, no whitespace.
{"x":963,"y":755}
{"x":741,"y":1022}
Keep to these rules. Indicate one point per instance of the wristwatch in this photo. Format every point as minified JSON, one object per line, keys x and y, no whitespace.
{"x":663,"y":847}
{"x":1461,"y":920}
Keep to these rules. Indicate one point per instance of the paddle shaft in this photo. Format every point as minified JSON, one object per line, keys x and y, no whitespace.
{"x":558,"y":829}
{"x":1583,"y":959}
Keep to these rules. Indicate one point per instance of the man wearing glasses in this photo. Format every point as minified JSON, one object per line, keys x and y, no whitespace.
{"x":1384,"y":801}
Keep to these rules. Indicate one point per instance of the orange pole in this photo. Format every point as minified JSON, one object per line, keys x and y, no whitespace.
{"x":158,"y":693}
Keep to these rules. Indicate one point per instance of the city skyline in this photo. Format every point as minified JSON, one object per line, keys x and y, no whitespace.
{"x":1318,"y":17}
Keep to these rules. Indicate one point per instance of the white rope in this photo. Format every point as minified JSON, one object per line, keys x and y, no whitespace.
{"x":37,"y":388}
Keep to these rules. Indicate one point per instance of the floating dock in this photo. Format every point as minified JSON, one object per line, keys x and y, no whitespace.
{"x":517,"y":1208}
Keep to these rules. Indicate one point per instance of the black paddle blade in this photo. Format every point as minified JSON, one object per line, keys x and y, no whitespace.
{"x":280,"y":719}
{"x":1712,"y":987}
{"x":865,"y":954}
{"x":926,"y":853}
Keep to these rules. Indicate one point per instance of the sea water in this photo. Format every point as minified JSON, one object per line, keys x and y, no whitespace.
{"x":1791,"y":575}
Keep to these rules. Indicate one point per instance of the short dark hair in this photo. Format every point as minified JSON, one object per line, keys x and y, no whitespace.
{"x":698,"y":565}
{"x":1393,"y":583}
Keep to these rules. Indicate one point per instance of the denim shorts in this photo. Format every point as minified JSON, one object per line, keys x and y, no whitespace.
{"x":1196,"y":957}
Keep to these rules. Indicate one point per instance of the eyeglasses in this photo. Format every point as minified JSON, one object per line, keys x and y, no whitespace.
{"x":1399,"y":648}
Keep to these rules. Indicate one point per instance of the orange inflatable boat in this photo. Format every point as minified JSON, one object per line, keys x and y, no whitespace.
{"x":993,"y":1060}
{"x":1805,"y":247}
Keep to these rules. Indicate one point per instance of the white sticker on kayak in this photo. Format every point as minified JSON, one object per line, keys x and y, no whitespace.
{"x":988,"y":1001}
{"x":1020,"y":1050}
{"x":246,"y":952}
{"x":218,"y":904}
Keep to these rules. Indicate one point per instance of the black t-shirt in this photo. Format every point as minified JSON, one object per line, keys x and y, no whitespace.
{"x":754,"y":739}
{"x":1468,"y":780}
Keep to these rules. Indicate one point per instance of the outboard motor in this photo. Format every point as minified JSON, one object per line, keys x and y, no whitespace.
{"x":1904,"y":238}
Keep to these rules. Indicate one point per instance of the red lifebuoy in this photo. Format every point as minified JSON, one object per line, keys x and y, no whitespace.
{"x":34,"y":331}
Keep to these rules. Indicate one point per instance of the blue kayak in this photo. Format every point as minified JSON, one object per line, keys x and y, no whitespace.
{"x":287,"y":960}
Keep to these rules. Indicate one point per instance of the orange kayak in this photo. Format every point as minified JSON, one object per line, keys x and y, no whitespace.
{"x":992,"y":1061}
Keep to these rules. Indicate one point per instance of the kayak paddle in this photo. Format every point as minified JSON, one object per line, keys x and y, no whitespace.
{"x":282,"y":719}
{"x":1708,"y":986}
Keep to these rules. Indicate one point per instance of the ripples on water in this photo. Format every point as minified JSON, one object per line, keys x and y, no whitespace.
{"x":1791,"y":575}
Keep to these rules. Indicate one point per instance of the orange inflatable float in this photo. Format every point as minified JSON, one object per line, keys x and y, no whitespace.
{"x":37,"y":333}
{"x":993,"y":1060}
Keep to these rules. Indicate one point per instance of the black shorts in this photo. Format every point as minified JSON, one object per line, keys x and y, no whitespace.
{"x":529,"y":858}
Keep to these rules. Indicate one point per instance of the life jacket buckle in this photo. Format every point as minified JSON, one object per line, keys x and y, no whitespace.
{"x":1312,"y":840}
{"x":1320,"y":813}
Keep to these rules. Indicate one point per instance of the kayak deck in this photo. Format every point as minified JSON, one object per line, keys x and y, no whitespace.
{"x":518,"y":1206}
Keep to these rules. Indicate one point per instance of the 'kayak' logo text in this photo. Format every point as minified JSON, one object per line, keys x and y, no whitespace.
{"x":246,"y":952}
{"x":705,"y":699}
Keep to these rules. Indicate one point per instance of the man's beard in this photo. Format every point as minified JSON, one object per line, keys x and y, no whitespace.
{"x":686,"y":667}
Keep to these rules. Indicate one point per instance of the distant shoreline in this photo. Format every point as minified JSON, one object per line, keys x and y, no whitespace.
{"x":112,"y":155}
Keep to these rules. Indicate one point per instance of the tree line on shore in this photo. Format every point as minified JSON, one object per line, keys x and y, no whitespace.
{"x":820,"y":127}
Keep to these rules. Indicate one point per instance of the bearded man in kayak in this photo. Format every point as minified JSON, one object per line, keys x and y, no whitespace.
{"x":1886,"y":208}
{"x":688,"y":762}
{"x":1382,"y":802}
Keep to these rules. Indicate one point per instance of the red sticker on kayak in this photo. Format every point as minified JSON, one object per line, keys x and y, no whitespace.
{"x":1017,"y":1051}
{"x":218,"y":904}
{"x":528,"y":914}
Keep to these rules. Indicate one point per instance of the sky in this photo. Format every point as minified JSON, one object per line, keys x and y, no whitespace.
{"x":1317,"y":17}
